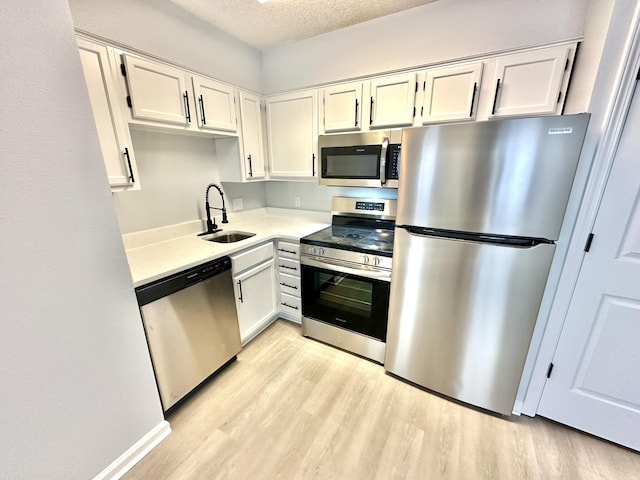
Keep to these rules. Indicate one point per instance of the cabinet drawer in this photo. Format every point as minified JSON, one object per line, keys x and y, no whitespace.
{"x":289,"y":284}
{"x":290,"y":305}
{"x":288,"y":250}
{"x":251,"y":257}
{"x":288,"y":266}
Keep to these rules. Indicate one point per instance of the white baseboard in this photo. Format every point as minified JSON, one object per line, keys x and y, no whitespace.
{"x":133,"y":455}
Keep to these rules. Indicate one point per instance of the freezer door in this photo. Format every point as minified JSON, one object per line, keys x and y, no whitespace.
{"x":509,"y":177}
{"x":461,"y":316}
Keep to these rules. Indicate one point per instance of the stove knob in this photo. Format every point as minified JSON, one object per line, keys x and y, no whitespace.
{"x":312,"y":250}
{"x":376,"y":261}
{"x":365,"y":259}
{"x":321,"y":251}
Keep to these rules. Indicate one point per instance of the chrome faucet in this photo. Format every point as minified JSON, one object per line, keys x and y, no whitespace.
{"x":211,"y":224}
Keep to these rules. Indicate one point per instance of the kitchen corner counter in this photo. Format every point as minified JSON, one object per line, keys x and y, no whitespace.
{"x":154,"y":254}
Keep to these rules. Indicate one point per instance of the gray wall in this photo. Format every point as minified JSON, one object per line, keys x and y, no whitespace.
{"x":174,"y":172}
{"x":317,"y":197}
{"x":163,"y":29}
{"x":436,"y":32}
{"x":77,"y":387}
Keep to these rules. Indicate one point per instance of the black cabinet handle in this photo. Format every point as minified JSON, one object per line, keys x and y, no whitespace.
{"x":371,"y":112}
{"x":313,"y":164}
{"x":356,"y":121}
{"x":473,"y":97}
{"x":250,"y":166}
{"x":287,"y":251}
{"x":126,"y":154}
{"x":200,"y":99}
{"x":290,"y":268}
{"x":240,"y":288}
{"x":288,"y":286}
{"x":186,"y":104}
{"x":287,"y":305}
{"x":495,"y":98}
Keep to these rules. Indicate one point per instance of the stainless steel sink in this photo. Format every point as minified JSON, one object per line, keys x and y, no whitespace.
{"x":227,"y":237}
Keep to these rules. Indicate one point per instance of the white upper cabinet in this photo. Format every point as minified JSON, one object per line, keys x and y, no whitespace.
{"x":162,"y":95}
{"x":251,"y":119}
{"x":215,"y":105}
{"x":529,"y":83}
{"x":99,"y":67}
{"x":292,"y":123}
{"x":451,"y":93}
{"x":158,"y":92}
{"x":392,"y":101}
{"x":242,"y":158}
{"x":342,"y":108}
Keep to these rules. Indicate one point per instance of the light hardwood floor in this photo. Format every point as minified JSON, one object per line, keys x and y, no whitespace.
{"x":293,"y":408}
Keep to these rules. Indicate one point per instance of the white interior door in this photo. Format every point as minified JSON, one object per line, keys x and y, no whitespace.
{"x":595,"y":382}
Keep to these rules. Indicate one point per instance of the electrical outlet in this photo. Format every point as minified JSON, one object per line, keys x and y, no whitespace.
{"x":237,"y":204}
{"x":296,"y":201}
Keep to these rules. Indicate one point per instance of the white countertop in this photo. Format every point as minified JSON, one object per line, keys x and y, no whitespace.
{"x":154,"y":254}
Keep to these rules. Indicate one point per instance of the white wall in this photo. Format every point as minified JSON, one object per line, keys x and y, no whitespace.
{"x":163,"y":29}
{"x":440,"y":31}
{"x":76,"y":383}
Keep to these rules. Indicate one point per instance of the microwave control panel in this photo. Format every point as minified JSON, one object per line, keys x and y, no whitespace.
{"x":393,"y":169}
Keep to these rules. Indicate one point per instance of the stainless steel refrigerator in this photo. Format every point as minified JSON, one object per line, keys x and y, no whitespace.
{"x":480,"y":207}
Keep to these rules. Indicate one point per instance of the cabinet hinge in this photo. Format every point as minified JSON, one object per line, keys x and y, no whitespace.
{"x":549,"y":370}
{"x":559,"y":96}
{"x":123,"y":70}
{"x":566,"y":65}
{"x":587,"y":246}
{"x":129,"y":104}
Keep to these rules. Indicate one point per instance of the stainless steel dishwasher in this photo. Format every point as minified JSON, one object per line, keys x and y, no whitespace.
{"x":191,"y":324}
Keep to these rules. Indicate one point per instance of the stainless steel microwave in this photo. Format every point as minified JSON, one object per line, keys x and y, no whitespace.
{"x":369,"y":159}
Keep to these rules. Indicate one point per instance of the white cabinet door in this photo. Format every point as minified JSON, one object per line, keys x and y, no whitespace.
{"x":293,"y":134}
{"x":158,"y":92}
{"x":451,"y":93}
{"x":529,"y":83}
{"x":216,"y":105}
{"x":113,"y":132}
{"x":342,"y":105}
{"x":256,"y":299}
{"x":253,"y":144}
{"x":392,"y":101}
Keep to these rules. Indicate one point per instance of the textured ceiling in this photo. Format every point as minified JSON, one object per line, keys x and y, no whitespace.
{"x":278,"y":22}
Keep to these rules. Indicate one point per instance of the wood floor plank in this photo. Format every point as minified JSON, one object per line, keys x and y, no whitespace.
{"x":294,"y":408}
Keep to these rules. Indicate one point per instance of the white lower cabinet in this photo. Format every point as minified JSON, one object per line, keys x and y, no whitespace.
{"x":254,"y":278}
{"x":289,"y":294}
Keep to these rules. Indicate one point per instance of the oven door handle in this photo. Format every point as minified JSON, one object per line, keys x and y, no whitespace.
{"x":383,"y":161}
{"x":346,"y":267}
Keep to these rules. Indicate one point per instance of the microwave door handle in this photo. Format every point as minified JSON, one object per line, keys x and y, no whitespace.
{"x":383,"y":161}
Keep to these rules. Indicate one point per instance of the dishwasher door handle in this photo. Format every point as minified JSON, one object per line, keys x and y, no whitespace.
{"x":240,"y":291}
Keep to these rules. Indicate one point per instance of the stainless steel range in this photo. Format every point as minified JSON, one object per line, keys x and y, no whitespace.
{"x":346,"y":276}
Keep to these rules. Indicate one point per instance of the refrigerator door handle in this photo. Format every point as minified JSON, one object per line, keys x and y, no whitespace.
{"x":504,"y":240}
{"x":383,"y":161}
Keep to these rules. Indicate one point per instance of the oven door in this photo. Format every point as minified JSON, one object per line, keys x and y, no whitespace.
{"x":341,"y":295}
